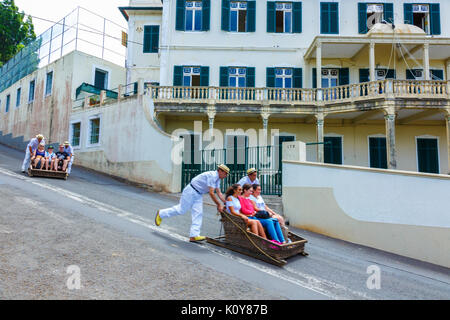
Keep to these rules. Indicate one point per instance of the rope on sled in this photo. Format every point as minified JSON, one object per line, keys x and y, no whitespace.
{"x":249,"y":238}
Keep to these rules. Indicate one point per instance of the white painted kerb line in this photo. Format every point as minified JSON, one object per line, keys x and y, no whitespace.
{"x":312,"y":283}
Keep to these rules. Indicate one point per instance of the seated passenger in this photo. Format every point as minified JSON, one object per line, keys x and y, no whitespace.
{"x":271,"y":224}
{"x":38,"y":157}
{"x":49,"y":155}
{"x":261,"y":205}
{"x":61,"y":159}
{"x":233,"y":206}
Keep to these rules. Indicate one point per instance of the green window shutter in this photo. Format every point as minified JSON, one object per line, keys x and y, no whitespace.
{"x":178,"y":76}
{"x":344,"y":76}
{"x":314,"y":78}
{"x":427,"y":155}
{"x":408,"y":13}
{"x":329,"y":18}
{"x":297,"y":17}
{"x":362,"y":18}
{"x":388,"y":12}
{"x":270,"y":77}
{"x":437,"y":75}
{"x":334,"y":18}
{"x":364,"y":75}
{"x":271,"y":16}
{"x":333,"y":150}
{"x":435,"y":17}
{"x":250,"y":77}
{"x":391,"y":74}
{"x":297,"y":78}
{"x":223,"y":81}
{"x":324,"y":18}
{"x":206,"y":14}
{"x":180,"y":15}
{"x":251,"y":16}
{"x":154,"y":42}
{"x":204,"y":76}
{"x":151,"y":39}
{"x":225,"y":15}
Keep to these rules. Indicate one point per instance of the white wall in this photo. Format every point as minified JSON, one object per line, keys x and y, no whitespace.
{"x":401,"y":212}
{"x":131,"y":145}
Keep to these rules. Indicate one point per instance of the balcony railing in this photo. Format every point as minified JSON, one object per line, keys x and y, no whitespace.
{"x":341,"y":94}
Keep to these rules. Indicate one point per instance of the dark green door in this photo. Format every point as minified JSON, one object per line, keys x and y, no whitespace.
{"x":333,"y":150}
{"x":237,"y":156}
{"x":192,"y":161}
{"x":377,"y":152}
{"x":427,"y":155}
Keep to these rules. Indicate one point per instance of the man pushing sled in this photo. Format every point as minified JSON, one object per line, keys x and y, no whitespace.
{"x":192,"y":198}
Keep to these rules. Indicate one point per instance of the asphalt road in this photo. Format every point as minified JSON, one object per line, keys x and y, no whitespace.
{"x":105,"y":228}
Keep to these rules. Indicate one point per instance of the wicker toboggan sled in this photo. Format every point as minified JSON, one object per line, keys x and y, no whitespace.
{"x":238,"y":239}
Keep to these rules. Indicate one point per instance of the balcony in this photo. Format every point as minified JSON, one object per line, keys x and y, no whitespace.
{"x":411,"y":92}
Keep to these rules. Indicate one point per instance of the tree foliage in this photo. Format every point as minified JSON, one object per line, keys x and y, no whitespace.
{"x":15,"y":32}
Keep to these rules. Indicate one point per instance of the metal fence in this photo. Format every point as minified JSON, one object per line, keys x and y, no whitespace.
{"x":80,"y":30}
{"x":266,"y":159}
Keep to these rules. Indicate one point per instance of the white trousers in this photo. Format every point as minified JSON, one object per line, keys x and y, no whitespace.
{"x":27,"y":160}
{"x":190,"y":199}
{"x":69,"y":166}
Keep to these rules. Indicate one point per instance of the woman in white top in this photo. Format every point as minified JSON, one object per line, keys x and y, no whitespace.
{"x":233,"y":206}
{"x":261,"y":205}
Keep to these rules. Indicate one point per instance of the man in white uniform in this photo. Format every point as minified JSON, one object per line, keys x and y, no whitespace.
{"x":192,"y":198}
{"x":32,"y":145}
{"x":250,"y":178}
{"x":69,"y":150}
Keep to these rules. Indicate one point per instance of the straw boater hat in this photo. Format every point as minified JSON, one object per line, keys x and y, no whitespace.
{"x":251,"y":170}
{"x":223,"y":168}
{"x":40,"y":136}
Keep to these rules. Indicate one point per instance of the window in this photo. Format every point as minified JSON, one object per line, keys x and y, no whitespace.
{"x":418,"y":74}
{"x":238,"y":16}
{"x":377,"y":152}
{"x":330,"y":78}
{"x":371,"y":13}
{"x":18,"y":94}
{"x":424,"y":16}
{"x":94,"y":132}
{"x":283,"y":78}
{"x":31,"y":91}
{"x":237,"y":77}
{"x":191,"y":76}
{"x":283,"y":17}
{"x":427,"y":155}
{"x":8,"y":101}
{"x":101,"y":79}
{"x":329,"y":18}
{"x":333,"y":150}
{"x":75,"y":134}
{"x":49,"y":83}
{"x":193,"y":16}
{"x":151,"y":39}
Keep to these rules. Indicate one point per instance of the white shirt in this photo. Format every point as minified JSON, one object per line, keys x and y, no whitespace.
{"x":34,"y":143}
{"x":69,"y":150}
{"x":50,"y":155}
{"x":260,"y":204}
{"x":246,"y":179}
{"x":206,"y":180}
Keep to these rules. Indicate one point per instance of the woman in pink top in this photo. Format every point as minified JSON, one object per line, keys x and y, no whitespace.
{"x":249,"y":208}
